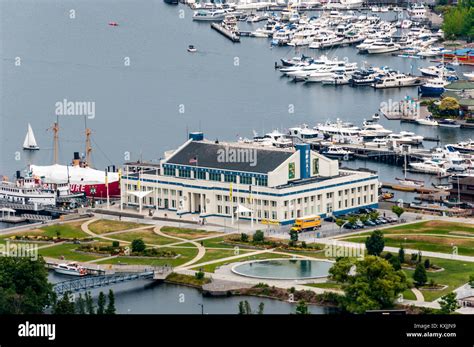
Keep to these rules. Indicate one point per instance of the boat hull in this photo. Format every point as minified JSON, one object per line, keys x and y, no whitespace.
{"x":96,"y":190}
{"x":69,"y":272}
{"x":431,"y":91}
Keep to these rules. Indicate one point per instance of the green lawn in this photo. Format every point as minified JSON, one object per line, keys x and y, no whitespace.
{"x":68,"y":230}
{"x":429,"y":243}
{"x":456,"y":273}
{"x":147,"y":235}
{"x":325,"y":285}
{"x":104,"y":226}
{"x":214,"y":254}
{"x":186,"y":255}
{"x":409,"y":295}
{"x":187,"y":233}
{"x":212,"y":267}
{"x":66,"y":250}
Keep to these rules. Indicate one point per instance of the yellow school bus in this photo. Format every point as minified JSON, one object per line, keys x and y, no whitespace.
{"x":307,"y":223}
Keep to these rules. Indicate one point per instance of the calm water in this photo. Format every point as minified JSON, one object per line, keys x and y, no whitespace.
{"x":137,"y":106}
{"x":144,"y":297}
{"x":285,"y":269}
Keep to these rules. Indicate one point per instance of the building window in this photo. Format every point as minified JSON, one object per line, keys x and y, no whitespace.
{"x":214,"y":176}
{"x":230,"y":178}
{"x":219,"y":197}
{"x":169,"y":171}
{"x":261,"y":182}
{"x":245,"y":180}
{"x":274,"y":203}
{"x":219,"y":209}
{"x":274,"y":215}
{"x":200,"y":175}
{"x":184,"y":173}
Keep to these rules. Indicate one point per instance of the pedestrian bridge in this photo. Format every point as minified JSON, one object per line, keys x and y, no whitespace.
{"x":91,"y":282}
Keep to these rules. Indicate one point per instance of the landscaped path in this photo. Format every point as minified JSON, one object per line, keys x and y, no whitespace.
{"x":418,"y":294}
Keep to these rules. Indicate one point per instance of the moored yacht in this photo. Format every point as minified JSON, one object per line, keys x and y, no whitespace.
{"x":395,"y":80}
{"x":72,"y":269}
{"x":211,"y":15}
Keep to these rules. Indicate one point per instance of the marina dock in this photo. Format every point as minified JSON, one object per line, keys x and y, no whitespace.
{"x":227,"y":33}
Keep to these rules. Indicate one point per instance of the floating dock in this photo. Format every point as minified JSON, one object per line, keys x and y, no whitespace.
{"x":234,"y":37}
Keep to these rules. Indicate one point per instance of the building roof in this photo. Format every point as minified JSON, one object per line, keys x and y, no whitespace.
{"x":460,"y":85}
{"x":219,"y":156}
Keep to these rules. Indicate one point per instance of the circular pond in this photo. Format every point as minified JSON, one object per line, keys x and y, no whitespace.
{"x":284,"y":269}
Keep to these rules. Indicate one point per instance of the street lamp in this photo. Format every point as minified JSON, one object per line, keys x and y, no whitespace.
{"x":202,"y":308}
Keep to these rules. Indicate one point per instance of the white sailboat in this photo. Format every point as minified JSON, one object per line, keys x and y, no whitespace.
{"x":30,"y":141}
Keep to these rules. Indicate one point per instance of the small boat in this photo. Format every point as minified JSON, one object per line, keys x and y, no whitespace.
{"x":192,"y":49}
{"x":387,"y":195}
{"x":72,"y":269}
{"x":336,"y":80}
{"x":445,"y":186}
{"x":113,"y":24}
{"x":469,"y":76}
{"x":408,"y":182}
{"x":449,"y":123}
{"x":30,"y":142}
{"x":427,"y":121}
{"x":433,"y":87}
{"x":339,"y":153}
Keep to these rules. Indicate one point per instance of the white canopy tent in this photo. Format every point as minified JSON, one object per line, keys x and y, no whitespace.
{"x":242,"y":209}
{"x":140,"y":195}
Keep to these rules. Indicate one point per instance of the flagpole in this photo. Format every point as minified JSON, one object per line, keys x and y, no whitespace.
{"x":231,"y":204}
{"x":107,"y":186}
{"x":121,"y":189}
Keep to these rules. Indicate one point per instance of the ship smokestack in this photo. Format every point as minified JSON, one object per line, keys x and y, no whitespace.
{"x":76,"y":160}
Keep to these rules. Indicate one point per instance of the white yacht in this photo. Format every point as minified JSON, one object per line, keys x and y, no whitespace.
{"x":305,"y":133}
{"x":340,"y":132}
{"x":371,"y":130}
{"x":430,"y":167}
{"x":275,"y":138}
{"x":417,"y":12}
{"x":211,"y":15}
{"x":377,"y":142}
{"x":427,"y":121}
{"x":395,"y":80}
{"x":336,"y":79}
{"x":383,"y":46}
{"x":463,"y":147}
{"x":339,"y":153}
{"x":72,"y":269}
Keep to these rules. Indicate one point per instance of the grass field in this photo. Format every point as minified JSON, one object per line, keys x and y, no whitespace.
{"x":455,"y":274}
{"x":104,"y":226}
{"x":147,"y":235}
{"x":66,"y":250}
{"x":214,"y":254}
{"x":67,"y":230}
{"x":187,"y":233}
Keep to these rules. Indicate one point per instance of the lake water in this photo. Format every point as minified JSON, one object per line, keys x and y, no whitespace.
{"x":225,"y":89}
{"x":145,"y":297}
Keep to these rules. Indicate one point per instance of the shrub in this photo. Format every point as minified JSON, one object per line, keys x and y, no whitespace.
{"x":199,"y":275}
{"x":244,"y":237}
{"x":258,"y":236}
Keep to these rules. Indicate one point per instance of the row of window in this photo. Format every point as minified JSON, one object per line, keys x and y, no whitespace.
{"x":201,"y":175}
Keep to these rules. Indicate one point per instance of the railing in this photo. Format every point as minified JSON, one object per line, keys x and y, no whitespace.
{"x":91,"y":282}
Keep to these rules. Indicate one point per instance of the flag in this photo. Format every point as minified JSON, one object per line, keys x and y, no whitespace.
{"x":106,"y":178}
{"x":230,"y":191}
{"x":193,"y":160}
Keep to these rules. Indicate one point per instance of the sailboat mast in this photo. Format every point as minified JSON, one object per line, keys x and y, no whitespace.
{"x":56,"y":141}
{"x":88,"y":143}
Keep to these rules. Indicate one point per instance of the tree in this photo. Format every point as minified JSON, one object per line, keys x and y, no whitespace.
{"x":368,"y":284}
{"x":340,"y":222}
{"x":244,"y":307}
{"x":363,"y":218}
{"x":111,"y":304}
{"x":115,"y":244}
{"x":427,"y":264}
{"x":419,"y":275}
{"x":448,"y":303}
{"x":374,"y":215}
{"x":138,"y":246}
{"x":258,"y":236}
{"x":398,"y":210}
{"x":101,"y":303}
{"x":64,"y":305}
{"x":244,"y":237}
{"x":24,"y":286}
{"x":81,"y":305}
{"x":401,"y":255}
{"x":293,"y":237}
{"x":375,"y":243}
{"x":199,"y":275}
{"x":261,"y":307}
{"x":395,"y":263}
{"x":302,"y":308}
{"x":90,"y":307}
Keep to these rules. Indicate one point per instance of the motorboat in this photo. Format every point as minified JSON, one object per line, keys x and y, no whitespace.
{"x":383,"y":46}
{"x":448,"y":123}
{"x":274,"y":138}
{"x":340,"y":132}
{"x":417,"y":12}
{"x":463,"y":147}
{"x":433,"y":87}
{"x":30,"y":142}
{"x":336,"y":80}
{"x":395,"y":80}
{"x":427,"y":121}
{"x":72,"y":269}
{"x":377,"y":142}
{"x":469,"y":76}
{"x":439,"y":71}
{"x":429,"y":166}
{"x":209,"y":15}
{"x":339,"y":153}
{"x":192,"y":49}
{"x":371,"y":130}
{"x":305,"y":133}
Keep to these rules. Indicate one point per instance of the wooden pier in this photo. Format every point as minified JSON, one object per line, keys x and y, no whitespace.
{"x":227,"y":33}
